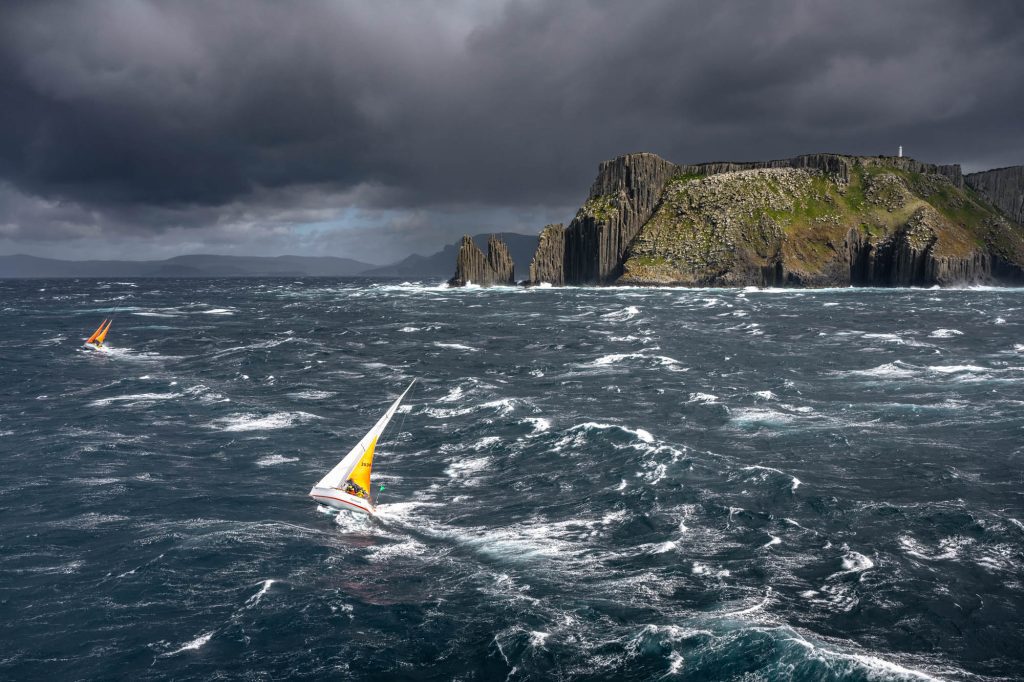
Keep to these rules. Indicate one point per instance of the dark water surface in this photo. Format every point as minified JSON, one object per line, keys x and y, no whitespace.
{"x":586,"y":484}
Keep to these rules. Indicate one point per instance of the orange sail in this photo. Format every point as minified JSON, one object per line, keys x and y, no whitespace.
{"x":103,"y":334}
{"x":361,"y":474}
{"x":96,"y":333}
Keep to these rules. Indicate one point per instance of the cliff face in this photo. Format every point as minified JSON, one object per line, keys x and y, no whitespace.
{"x":621,"y":200}
{"x":1003,"y":187}
{"x":548,"y":264}
{"x":836,"y":165}
{"x":812,"y":220}
{"x":471,"y":266}
{"x":823,"y":220}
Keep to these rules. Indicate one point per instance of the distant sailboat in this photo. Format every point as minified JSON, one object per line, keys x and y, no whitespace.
{"x":98,"y":336}
{"x":347,"y":485}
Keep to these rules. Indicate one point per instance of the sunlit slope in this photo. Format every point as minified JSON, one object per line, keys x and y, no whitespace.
{"x":877,"y":224}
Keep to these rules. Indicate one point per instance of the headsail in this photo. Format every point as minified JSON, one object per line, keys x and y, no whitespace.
{"x":103,"y":334}
{"x":357,"y":464}
{"x":96,"y":333}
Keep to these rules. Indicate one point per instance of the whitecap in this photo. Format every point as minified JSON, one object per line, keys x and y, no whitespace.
{"x":794,"y":481}
{"x":890,"y":370}
{"x":945,"y":333}
{"x":273,"y":460}
{"x":255,"y":599}
{"x":627,"y":313}
{"x":467,"y":470}
{"x":657,"y":360}
{"x":452,"y":395}
{"x":956,"y":369}
{"x":855,"y":562}
{"x":456,"y":346}
{"x":539,"y":424}
{"x":196,"y":643}
{"x":886,"y":338}
{"x":761,"y":416}
{"x":538,"y":638}
{"x":641,"y":434}
{"x":255,"y":422}
{"x":312,"y":395}
{"x":139,"y":398}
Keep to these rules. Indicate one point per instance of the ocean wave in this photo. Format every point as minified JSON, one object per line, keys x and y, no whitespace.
{"x":642,"y":359}
{"x":456,"y":346}
{"x":136,"y":399}
{"x":197,"y":643}
{"x":273,"y":460}
{"x":256,"y":422}
{"x":627,"y":313}
{"x":765,"y":472}
{"x":312,"y":395}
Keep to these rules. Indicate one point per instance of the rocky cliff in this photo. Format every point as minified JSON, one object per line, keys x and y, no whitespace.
{"x":1003,"y":188}
{"x":812,"y":220}
{"x":823,"y":220}
{"x":548,"y":264}
{"x":472,"y":266}
{"x":621,"y":200}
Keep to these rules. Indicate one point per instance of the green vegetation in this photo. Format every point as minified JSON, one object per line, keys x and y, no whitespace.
{"x":601,"y":208}
{"x":719,"y":229}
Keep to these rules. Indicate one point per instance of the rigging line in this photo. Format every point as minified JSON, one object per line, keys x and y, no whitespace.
{"x":398,"y":433}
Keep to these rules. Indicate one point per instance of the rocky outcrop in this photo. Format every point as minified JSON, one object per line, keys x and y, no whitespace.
{"x":834,"y":165}
{"x":1003,"y":188}
{"x":622,"y":199}
{"x":858,"y":221}
{"x":812,"y":220}
{"x":548,"y":264}
{"x":471,"y":266}
{"x":502,"y":269}
{"x":909,"y":257}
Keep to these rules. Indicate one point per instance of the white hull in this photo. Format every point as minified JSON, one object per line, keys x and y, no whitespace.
{"x":337,"y":499}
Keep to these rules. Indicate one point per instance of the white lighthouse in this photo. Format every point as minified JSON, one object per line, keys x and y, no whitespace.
{"x":900,"y":152}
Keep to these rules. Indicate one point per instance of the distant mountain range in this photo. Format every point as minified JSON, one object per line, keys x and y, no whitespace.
{"x":436,"y":266}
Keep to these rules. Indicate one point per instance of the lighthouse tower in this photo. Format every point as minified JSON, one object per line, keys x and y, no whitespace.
{"x":900,"y":152}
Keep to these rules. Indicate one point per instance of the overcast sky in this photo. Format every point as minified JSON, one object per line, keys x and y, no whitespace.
{"x":373,"y":129}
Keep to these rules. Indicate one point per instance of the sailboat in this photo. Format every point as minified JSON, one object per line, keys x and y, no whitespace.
{"x":347,"y":485}
{"x":96,"y":340}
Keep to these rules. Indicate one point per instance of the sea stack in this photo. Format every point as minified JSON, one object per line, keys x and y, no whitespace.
{"x":472,"y":267}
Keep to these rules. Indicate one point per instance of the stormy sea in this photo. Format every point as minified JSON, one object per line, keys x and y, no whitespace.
{"x":584,"y":484}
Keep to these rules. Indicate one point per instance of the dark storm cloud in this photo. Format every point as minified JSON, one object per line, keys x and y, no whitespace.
{"x":134,"y":118}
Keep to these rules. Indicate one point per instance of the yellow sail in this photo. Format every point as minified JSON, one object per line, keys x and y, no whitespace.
{"x":103,"y":334}
{"x":361,"y":474}
{"x":96,"y":333}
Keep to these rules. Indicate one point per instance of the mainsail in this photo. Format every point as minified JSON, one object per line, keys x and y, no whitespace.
{"x":103,"y":334}
{"x":96,"y":333}
{"x":356,"y":466}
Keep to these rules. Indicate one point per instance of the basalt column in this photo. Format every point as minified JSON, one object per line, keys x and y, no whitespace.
{"x":548,"y":264}
{"x":622,"y":199}
{"x":471,"y":266}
